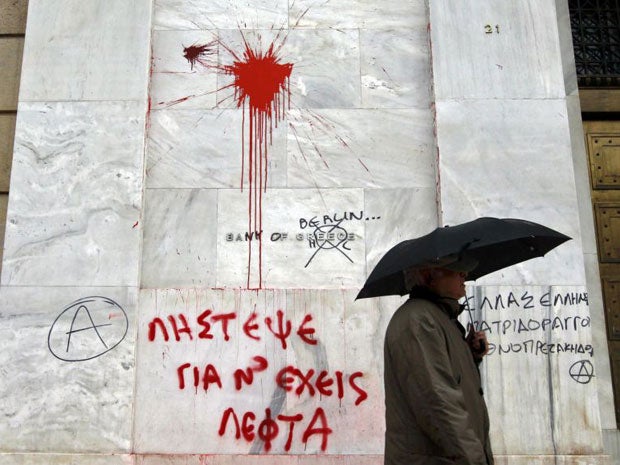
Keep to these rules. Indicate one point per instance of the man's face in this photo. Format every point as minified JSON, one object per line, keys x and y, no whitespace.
{"x":449,"y":283}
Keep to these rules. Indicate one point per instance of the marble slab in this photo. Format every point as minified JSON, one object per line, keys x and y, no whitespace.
{"x":326,"y":66}
{"x":361,"y":14}
{"x":183,"y":91}
{"x":216,"y":460}
{"x":540,"y":369}
{"x":349,"y":344}
{"x":552,"y":460}
{"x":103,"y":45}
{"x":310,"y":238}
{"x":484,"y":50}
{"x":259,"y":460}
{"x":220,"y":14}
{"x":361,"y":148}
{"x":180,"y":235}
{"x":205,"y":148}
{"x":70,"y":353}
{"x":577,"y":427}
{"x":175,"y":81}
{"x":582,"y":175}
{"x":518,"y":154}
{"x":66,"y":459}
{"x":169,"y":51}
{"x":403,"y":214}
{"x":76,"y":195}
{"x":183,"y":226}
{"x":296,"y":372}
{"x":173,"y":415}
{"x":325,"y":63}
{"x":396,"y":68}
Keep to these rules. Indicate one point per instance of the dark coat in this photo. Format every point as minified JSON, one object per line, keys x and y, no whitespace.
{"x":435,"y":412}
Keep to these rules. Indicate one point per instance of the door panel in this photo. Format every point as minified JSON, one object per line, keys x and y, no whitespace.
{"x":603,"y":145}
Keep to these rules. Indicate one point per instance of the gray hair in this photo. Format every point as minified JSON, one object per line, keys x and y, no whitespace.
{"x":420,"y":277}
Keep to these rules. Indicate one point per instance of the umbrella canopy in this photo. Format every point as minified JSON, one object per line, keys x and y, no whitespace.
{"x":494,"y":243}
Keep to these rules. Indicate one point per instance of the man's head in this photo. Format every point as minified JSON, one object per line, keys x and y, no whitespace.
{"x":446,"y":281}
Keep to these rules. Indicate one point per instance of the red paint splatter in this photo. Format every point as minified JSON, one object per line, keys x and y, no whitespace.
{"x":200,"y":53}
{"x":262,"y":89}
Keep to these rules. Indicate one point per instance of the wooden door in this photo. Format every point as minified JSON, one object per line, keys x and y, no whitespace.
{"x":603,"y":147}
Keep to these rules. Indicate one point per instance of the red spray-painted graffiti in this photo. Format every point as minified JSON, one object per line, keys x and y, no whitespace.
{"x":261,"y":88}
{"x":268,"y":428}
{"x":250,"y":425}
{"x":206,"y":319}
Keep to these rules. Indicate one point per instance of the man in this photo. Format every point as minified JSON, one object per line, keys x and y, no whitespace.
{"x":435,"y":412}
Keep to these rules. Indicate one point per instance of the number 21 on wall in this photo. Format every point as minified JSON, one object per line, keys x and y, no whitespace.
{"x":488,"y":29}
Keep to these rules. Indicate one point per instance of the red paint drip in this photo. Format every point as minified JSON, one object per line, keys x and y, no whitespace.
{"x":261,"y":82}
{"x":262,"y":89}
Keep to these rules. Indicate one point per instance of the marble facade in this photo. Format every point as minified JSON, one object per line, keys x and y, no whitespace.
{"x":131,"y":203}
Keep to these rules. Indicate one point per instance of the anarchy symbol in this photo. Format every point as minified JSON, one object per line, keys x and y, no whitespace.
{"x":582,"y":371}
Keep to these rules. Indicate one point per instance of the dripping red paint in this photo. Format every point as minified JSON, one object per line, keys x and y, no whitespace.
{"x":262,"y":89}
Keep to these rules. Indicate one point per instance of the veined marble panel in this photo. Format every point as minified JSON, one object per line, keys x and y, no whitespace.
{"x":509,"y":158}
{"x":395,"y":68}
{"x":404,"y":213}
{"x":259,"y":459}
{"x":576,"y":420}
{"x":94,"y":50}
{"x":348,"y":355}
{"x":66,"y":459}
{"x":183,"y":91}
{"x":369,"y":459}
{"x":496,"y":49}
{"x":220,"y":14}
{"x":325,"y":73}
{"x":180,"y":234}
{"x":175,"y":81}
{"x":310,"y":239}
{"x":186,"y":381}
{"x":552,"y":460}
{"x":205,"y":148}
{"x":70,"y":357}
{"x":582,"y":175}
{"x":169,"y":51}
{"x":216,"y":460}
{"x":76,"y":195}
{"x":357,"y":14}
{"x":306,"y":351}
{"x":326,"y":64}
{"x":540,"y":369}
{"x":361,"y":148}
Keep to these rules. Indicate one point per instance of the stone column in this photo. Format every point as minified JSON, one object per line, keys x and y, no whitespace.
{"x":508,"y":132}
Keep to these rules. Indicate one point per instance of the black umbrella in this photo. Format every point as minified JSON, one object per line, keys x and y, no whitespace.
{"x":494,"y":243}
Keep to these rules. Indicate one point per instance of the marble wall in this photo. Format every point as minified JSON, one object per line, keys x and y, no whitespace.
{"x":72,"y":249}
{"x":511,"y":144}
{"x":184,"y":250}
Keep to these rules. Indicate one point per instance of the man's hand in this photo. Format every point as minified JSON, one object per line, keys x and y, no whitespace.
{"x":477,"y":341}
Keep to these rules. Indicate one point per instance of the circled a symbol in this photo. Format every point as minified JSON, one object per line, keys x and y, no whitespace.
{"x":582,"y":371}
{"x":87,"y":328}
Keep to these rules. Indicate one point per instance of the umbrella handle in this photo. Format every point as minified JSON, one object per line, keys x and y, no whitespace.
{"x":482,"y":347}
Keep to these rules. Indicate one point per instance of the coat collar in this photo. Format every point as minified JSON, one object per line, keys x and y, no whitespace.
{"x":451,"y":306}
